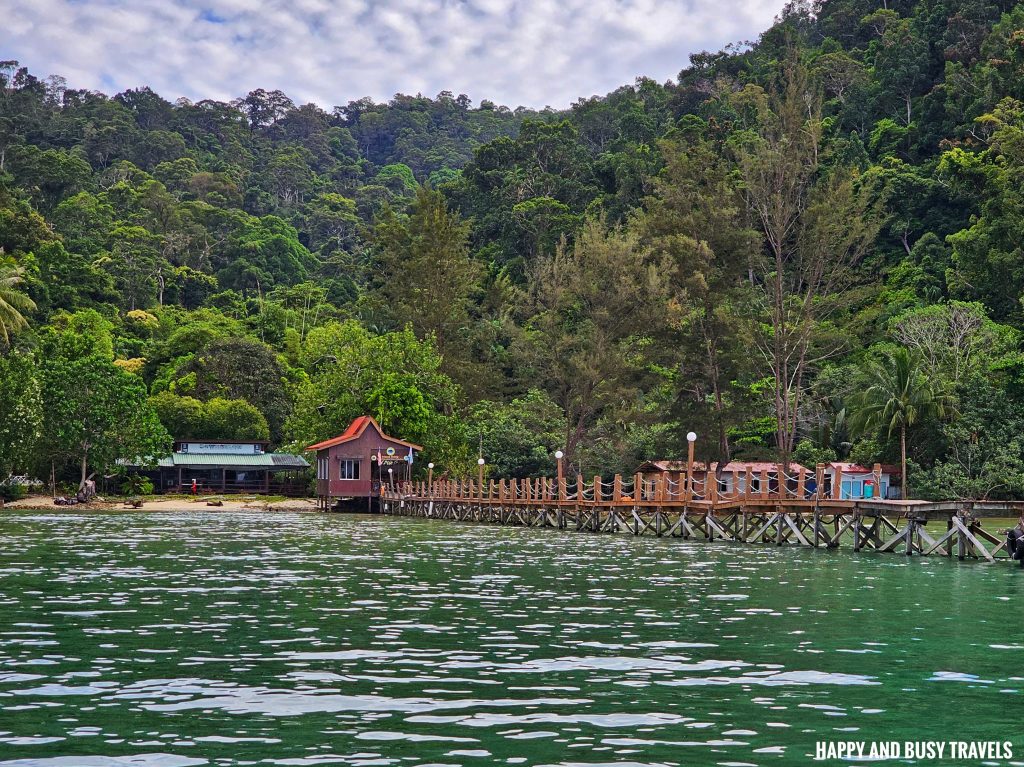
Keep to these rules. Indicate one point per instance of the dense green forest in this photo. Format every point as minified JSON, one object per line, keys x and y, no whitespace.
{"x":808,"y":247}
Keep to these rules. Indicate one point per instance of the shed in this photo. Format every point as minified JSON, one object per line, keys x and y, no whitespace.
{"x":852,"y":480}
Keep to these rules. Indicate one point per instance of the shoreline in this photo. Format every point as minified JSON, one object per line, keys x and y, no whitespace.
{"x":174,"y":503}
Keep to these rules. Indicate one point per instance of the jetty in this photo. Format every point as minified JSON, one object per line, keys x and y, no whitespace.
{"x":799,"y":510}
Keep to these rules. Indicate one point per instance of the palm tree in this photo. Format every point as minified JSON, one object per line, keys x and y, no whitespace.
{"x":898,"y":395}
{"x":12,"y":301}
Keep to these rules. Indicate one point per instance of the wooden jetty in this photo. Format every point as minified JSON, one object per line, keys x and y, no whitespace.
{"x":789,"y":512}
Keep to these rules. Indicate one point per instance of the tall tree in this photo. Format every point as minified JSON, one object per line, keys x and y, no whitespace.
{"x":696,"y":220}
{"x":817,"y":224}
{"x":423,"y":275}
{"x":588,"y":342}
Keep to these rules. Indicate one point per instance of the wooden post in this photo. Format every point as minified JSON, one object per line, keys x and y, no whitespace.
{"x":735,"y":483}
{"x":430,"y":480}
{"x":638,"y":487}
{"x":598,"y":491}
{"x":764,"y":484}
{"x":617,"y":488}
{"x":750,"y":484}
{"x":837,"y":483}
{"x":560,"y":476}
{"x":689,"y":467}
{"x":876,"y":472}
{"x":819,"y":478}
{"x":800,"y":482}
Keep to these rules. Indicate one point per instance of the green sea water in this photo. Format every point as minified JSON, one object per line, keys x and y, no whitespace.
{"x":172,"y":640}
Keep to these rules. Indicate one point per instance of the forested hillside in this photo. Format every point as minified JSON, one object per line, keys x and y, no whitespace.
{"x":808,"y":247}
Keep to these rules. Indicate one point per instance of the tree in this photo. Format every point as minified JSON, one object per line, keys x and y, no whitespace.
{"x":94,"y":412}
{"x":20,"y":412}
{"x":239,"y":368}
{"x":695,"y":220}
{"x":589,"y":338}
{"x":183,"y":417}
{"x":816,"y":225}
{"x":518,"y":438}
{"x":12,"y":301}
{"x":897,"y":395}
{"x":423,"y":274}
{"x":233,"y":419}
{"x":395,"y":377}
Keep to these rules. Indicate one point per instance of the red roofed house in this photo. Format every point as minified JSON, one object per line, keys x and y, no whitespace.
{"x":358,"y":462}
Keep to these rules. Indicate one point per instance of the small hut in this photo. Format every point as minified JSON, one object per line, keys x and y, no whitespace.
{"x":359,"y":462}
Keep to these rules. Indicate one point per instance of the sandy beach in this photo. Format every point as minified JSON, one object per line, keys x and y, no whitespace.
{"x":174,"y":503}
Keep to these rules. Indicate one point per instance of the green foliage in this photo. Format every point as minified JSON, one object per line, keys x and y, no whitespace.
{"x":895,"y":396}
{"x":136,"y":484}
{"x":234,"y":419}
{"x":731,"y":252}
{"x":809,"y":455}
{"x":182,"y":417}
{"x":395,"y":377}
{"x":519,"y":438}
{"x":189,"y":418}
{"x":12,"y":301}
{"x":21,"y":412}
{"x":93,"y":412}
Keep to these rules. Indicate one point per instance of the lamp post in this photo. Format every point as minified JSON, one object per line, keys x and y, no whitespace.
{"x":691,"y":437}
{"x":430,"y":479}
{"x":391,"y":478}
{"x":480,"y":474}
{"x":559,"y":455}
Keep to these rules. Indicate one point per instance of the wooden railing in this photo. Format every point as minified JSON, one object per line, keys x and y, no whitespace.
{"x":669,"y":489}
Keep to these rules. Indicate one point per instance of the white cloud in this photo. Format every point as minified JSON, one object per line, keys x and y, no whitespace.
{"x":515,"y":52}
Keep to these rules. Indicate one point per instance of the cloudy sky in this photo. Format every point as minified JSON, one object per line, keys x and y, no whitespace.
{"x":515,"y":52}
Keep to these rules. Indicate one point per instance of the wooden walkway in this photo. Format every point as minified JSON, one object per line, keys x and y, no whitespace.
{"x":789,"y":515}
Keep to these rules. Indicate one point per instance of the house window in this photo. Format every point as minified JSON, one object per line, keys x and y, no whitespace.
{"x":321,"y":468}
{"x":348,"y":469}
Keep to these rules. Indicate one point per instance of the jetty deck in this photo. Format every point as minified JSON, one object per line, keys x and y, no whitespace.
{"x":793,"y":512}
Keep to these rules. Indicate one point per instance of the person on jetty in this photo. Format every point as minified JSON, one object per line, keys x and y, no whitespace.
{"x":1015,"y":541}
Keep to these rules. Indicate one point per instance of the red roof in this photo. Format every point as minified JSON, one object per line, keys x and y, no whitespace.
{"x":700,"y":466}
{"x":355,"y":431}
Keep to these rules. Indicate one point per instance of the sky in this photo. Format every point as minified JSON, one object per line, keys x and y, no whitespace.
{"x":531,"y":53}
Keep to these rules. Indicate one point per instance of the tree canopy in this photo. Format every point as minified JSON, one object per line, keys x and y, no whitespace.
{"x":743,"y":251}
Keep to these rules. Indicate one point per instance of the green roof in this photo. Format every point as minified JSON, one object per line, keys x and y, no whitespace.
{"x":257,"y":461}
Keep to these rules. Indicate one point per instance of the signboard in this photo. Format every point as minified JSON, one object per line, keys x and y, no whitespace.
{"x":221,"y":448}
